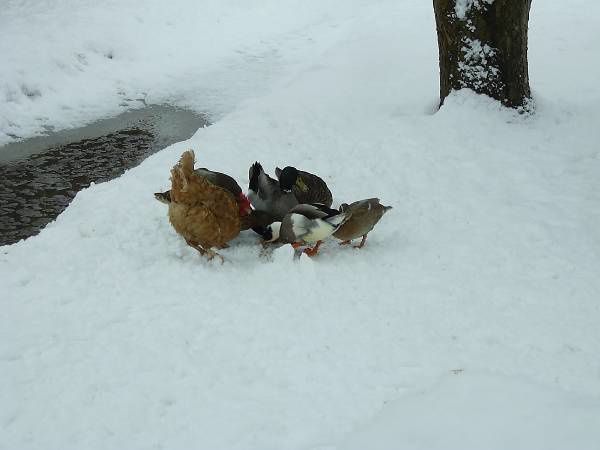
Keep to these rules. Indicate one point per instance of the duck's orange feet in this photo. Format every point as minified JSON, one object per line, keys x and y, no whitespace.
{"x":345,"y":242}
{"x":362,"y":243}
{"x":313,"y":251}
{"x":297,"y":250}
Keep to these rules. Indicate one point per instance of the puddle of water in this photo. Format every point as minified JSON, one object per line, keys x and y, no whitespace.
{"x":40,"y":176}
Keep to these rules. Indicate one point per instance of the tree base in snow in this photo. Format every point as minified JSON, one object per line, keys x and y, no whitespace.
{"x":483,"y":46}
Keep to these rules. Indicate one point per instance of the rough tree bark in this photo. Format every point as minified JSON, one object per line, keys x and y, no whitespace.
{"x":483,"y":46}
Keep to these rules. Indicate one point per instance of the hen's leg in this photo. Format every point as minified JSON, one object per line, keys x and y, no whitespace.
{"x":210,"y":254}
{"x":204,"y":252}
{"x":346,"y":242}
{"x":196,"y":246}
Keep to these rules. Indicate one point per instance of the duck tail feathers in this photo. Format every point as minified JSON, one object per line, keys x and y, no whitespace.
{"x":338,"y":219}
{"x":253,"y":175}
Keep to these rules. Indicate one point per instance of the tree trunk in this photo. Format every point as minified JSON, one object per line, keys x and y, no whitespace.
{"x":483,"y":46}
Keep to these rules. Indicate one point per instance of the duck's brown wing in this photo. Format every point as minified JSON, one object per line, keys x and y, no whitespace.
{"x":315,"y":191}
{"x":365,"y":214}
{"x":220,"y":179}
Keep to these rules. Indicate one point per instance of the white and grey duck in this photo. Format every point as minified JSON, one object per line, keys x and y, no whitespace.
{"x":306,"y":224}
{"x":265,"y":193}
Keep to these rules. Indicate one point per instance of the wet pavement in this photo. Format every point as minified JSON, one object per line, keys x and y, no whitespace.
{"x":40,"y":176}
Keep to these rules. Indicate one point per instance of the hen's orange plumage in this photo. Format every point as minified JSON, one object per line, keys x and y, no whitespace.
{"x":204,"y":214}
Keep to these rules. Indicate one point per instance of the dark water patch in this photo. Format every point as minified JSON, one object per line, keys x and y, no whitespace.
{"x":40,"y":176}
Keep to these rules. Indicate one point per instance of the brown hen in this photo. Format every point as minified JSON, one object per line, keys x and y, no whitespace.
{"x":204,"y":214}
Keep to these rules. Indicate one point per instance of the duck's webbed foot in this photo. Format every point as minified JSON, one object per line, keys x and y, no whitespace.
{"x":314,"y":250}
{"x":346,"y":242}
{"x":297,"y":246}
{"x":362,"y":243}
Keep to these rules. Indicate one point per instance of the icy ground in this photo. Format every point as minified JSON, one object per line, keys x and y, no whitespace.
{"x":470,"y":319}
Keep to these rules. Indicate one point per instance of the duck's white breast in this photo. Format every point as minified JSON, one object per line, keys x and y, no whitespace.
{"x":310,"y":230}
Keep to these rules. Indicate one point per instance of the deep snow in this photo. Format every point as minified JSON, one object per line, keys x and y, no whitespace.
{"x":469,"y":320}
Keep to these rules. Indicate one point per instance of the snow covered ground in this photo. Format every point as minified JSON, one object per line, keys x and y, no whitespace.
{"x":470,"y":319}
{"x":65,"y":62}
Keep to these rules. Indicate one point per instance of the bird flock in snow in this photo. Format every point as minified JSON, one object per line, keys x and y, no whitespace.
{"x":209,"y":209}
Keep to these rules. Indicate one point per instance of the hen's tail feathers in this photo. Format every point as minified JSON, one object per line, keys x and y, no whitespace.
{"x":253,"y":174}
{"x":182,"y":172}
{"x":186,"y":163}
{"x":386,"y":208}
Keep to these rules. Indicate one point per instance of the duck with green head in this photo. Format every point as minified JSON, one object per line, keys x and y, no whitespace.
{"x":307,"y":187}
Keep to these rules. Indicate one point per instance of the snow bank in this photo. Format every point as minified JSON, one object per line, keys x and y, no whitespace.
{"x":115,"y":334}
{"x":66,"y":63}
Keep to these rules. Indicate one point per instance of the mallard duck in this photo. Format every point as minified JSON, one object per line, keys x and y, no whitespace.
{"x":306,"y":224}
{"x":307,"y":187}
{"x":218,"y":179}
{"x":204,"y":214}
{"x":266,"y":195}
{"x":364,"y":216}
